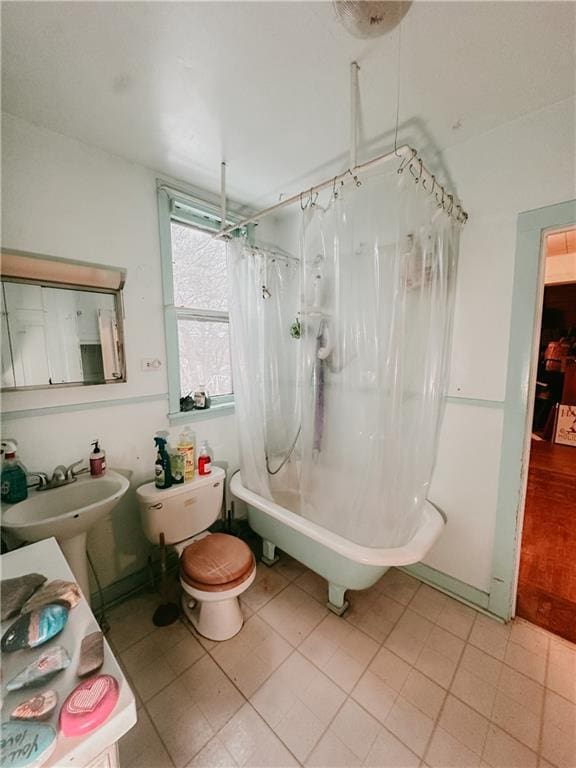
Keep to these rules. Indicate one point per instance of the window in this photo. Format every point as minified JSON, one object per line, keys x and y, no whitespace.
{"x":196,"y":301}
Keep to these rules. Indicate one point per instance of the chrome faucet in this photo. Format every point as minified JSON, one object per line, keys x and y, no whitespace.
{"x":60,"y":476}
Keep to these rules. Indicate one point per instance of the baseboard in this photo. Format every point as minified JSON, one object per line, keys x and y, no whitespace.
{"x":448,"y":584}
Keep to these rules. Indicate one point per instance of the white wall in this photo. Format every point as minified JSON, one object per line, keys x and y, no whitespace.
{"x":63,"y":198}
{"x":528,"y":163}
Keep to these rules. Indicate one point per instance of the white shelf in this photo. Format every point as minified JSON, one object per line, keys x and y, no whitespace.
{"x":45,"y":557}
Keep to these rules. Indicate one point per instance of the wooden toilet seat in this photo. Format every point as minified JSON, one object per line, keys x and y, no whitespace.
{"x":216,"y":563}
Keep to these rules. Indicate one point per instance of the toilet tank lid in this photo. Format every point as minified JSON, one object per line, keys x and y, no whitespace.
{"x":149,"y":492}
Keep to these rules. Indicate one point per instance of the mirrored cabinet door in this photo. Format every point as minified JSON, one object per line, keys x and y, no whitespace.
{"x":57,"y":336}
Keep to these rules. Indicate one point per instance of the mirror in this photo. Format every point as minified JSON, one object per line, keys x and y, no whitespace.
{"x":59,"y":335}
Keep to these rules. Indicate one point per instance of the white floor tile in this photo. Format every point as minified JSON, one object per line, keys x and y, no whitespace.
{"x":250,"y":657}
{"x":503,"y":751}
{"x":456,"y":618}
{"x":356,"y":728}
{"x":398,"y":585}
{"x":314,"y":585}
{"x":522,"y":689}
{"x":141,"y":747}
{"x":464,"y":724}
{"x":374,"y":695}
{"x":184,"y":729}
{"x":474,"y":691}
{"x":423,"y":693}
{"x":529,"y":637}
{"x":527,"y":662}
{"x":252,"y":743}
{"x":212,"y":692}
{"x":293,"y":613}
{"x":428,"y":602}
{"x":213,"y":755}
{"x":341,"y":651}
{"x":490,"y":636}
{"x":330,"y":752}
{"x":266,"y":585}
{"x":560,"y":712}
{"x":388,"y":752}
{"x":481,"y":664}
{"x":447,"y":752}
{"x":517,"y":720}
{"x":410,"y":725}
{"x":391,"y":669}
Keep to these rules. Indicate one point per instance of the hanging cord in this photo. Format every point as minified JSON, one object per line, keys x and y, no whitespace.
{"x":102,"y":619}
{"x":290,"y":452}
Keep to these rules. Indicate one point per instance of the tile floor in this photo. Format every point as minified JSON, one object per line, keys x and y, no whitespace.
{"x":408,"y":678}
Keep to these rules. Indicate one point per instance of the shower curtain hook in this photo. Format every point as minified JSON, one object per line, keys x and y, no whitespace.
{"x":313,"y":199}
{"x":334,"y":190}
{"x":407,"y":161}
{"x":451,"y":198}
{"x":421,"y":169}
{"x":303,"y":207}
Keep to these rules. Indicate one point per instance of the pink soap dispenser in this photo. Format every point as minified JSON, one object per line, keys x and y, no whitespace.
{"x":97,"y":460}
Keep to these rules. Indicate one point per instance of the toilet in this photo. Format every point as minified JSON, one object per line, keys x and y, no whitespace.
{"x":215,"y":568}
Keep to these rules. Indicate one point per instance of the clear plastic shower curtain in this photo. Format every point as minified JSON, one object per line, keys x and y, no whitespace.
{"x":376,"y":285}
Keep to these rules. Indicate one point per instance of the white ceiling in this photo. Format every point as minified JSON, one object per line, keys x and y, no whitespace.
{"x":178,"y":86}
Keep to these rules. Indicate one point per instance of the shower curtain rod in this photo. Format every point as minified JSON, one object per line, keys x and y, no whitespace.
{"x":410,"y":162}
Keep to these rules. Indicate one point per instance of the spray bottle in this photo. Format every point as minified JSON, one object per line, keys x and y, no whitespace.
{"x":162,"y":469}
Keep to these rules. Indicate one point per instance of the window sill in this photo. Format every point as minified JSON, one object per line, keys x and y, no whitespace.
{"x":183,"y":417}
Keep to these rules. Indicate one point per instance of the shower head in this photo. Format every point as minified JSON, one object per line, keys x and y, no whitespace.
{"x":370,"y":18}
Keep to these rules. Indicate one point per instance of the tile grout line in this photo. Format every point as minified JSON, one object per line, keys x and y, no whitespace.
{"x":380,"y":645}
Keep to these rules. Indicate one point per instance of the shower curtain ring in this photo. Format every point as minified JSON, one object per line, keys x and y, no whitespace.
{"x":302,"y":206}
{"x":313,"y":199}
{"x":451,"y":198}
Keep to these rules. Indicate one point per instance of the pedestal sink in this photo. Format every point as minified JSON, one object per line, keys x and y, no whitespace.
{"x":67,"y":513}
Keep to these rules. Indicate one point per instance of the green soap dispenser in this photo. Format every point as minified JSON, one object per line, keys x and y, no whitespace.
{"x":14,"y":482}
{"x":162,"y":469}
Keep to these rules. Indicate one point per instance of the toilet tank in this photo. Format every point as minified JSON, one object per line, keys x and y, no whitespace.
{"x":182,"y":510}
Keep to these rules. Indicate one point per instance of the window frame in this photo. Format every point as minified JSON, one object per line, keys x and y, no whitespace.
{"x":187,"y":209}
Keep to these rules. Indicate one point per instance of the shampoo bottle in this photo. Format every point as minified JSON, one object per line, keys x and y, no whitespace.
{"x":186,"y":448}
{"x":97,"y":460}
{"x":162,"y":469}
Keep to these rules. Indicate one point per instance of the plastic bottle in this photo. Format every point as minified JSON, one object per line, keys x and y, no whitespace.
{"x":205,"y":459}
{"x":201,"y":398}
{"x":186,"y":448}
{"x":97,"y":460}
{"x":162,"y":469}
{"x":13,"y":480}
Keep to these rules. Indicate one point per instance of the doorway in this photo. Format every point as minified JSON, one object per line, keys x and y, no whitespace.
{"x":547,"y":576}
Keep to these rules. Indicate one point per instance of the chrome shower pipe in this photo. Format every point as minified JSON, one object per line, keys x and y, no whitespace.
{"x":410,"y":162}
{"x":222,"y":195}
{"x":354,"y":94}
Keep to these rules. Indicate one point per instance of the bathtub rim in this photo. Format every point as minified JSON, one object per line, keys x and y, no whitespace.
{"x":414,"y":551}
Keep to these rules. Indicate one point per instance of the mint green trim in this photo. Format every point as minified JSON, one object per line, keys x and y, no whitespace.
{"x":448,"y":584}
{"x":51,"y":410}
{"x":531,"y":225}
{"x":182,"y":417}
{"x":170,"y":317}
{"x":477,"y":402}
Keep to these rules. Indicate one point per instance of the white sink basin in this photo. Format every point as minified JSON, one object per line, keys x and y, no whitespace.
{"x":67,"y":513}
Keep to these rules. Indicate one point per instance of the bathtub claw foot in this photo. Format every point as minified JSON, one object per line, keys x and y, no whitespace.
{"x":337,"y":602}
{"x":269,"y":556}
